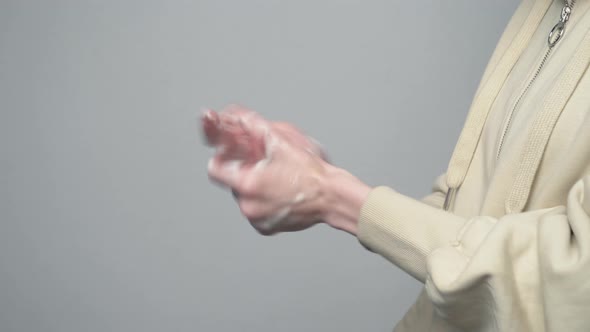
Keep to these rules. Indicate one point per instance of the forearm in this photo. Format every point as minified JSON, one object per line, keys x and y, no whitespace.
{"x":399,"y":228}
{"x":344,"y":196}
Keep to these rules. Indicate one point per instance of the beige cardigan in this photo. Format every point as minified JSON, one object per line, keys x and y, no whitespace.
{"x":513,"y":251}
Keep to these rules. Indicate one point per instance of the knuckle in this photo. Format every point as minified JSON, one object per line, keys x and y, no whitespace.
{"x":249,"y":210}
{"x":249,"y":187}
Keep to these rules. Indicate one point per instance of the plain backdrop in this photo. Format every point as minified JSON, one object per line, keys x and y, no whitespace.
{"x":108,"y":221}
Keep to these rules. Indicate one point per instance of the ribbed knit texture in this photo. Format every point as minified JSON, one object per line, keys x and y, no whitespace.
{"x":543,"y":127}
{"x":486,"y":270}
{"x":405,"y":230}
{"x":469,"y":137}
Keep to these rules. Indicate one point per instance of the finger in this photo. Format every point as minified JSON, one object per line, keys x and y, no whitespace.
{"x":230,"y":128}
{"x":298,"y":137}
{"x":241,"y":143}
{"x":238,"y":111}
{"x":286,"y":126}
{"x":292,"y":135}
{"x":272,"y":224}
{"x":226,"y":173}
{"x":225,"y":133}
{"x":210,"y":127}
{"x":255,"y":142}
{"x":248,"y":116}
{"x":235,"y":136}
{"x":285,"y":219}
{"x":228,"y":133}
{"x":241,"y":140}
{"x":266,"y":222}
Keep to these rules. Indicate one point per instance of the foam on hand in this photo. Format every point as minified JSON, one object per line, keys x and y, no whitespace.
{"x":274,"y":221}
{"x":242,"y":140}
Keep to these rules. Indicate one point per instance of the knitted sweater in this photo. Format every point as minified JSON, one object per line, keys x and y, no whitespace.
{"x":503,"y":241}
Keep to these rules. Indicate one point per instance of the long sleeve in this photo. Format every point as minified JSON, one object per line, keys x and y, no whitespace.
{"x":436,"y":198}
{"x":535,"y":264}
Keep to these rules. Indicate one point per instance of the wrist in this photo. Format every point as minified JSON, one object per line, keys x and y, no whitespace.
{"x":344,"y":197}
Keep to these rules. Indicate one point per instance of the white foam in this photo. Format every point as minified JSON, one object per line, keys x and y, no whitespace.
{"x":232,"y":166}
{"x":261,"y":164}
{"x":299,"y":198}
{"x":272,"y":222}
{"x":270,"y":144}
{"x":205,"y":112}
{"x":247,"y":118}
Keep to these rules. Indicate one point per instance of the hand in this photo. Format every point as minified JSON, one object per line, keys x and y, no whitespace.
{"x":231,"y":119}
{"x":276,"y":172}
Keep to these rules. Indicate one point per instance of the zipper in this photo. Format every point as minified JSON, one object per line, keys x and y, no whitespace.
{"x":554,"y":37}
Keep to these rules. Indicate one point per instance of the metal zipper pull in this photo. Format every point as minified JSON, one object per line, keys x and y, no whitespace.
{"x":559,"y":28}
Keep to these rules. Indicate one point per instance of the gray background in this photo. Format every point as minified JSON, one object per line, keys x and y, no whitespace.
{"x":107,"y":219}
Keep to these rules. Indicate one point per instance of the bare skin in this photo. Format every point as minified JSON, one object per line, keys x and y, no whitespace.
{"x":280,"y":178}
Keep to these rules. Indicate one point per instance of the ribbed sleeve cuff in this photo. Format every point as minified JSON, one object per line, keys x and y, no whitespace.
{"x":404,"y":230}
